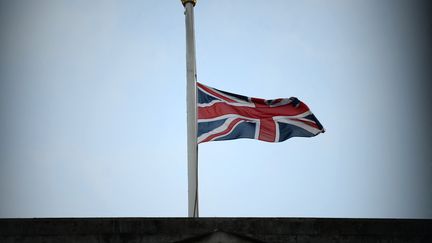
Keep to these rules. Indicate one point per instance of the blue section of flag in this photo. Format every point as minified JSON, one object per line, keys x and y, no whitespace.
{"x":204,"y":127}
{"x":288,"y":131}
{"x":243,"y":130}
{"x":203,"y":98}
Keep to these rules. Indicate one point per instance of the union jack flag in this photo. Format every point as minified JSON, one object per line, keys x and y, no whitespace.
{"x":224,"y":116}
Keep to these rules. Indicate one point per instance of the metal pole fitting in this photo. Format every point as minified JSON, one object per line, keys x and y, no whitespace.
{"x":189,"y":1}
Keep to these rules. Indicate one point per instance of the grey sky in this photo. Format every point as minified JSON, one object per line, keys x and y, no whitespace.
{"x":93,"y":108}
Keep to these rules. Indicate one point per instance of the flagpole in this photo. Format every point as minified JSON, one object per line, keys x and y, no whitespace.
{"x":192,"y":144}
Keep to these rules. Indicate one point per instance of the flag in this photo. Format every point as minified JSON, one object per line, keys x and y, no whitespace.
{"x":225,"y":116}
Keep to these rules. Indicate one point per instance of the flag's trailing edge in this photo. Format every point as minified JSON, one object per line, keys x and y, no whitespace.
{"x":225,"y":116}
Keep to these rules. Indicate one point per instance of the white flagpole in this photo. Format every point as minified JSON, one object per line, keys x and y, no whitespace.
{"x":191,"y":110}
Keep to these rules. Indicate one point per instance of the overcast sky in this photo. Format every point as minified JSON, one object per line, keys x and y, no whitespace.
{"x":93,"y":108}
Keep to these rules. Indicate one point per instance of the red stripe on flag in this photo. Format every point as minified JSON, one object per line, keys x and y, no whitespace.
{"x":309,"y":123}
{"x":267,"y":130}
{"x":221,"y":108}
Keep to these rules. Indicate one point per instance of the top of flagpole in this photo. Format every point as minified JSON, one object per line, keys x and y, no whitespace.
{"x":189,"y":1}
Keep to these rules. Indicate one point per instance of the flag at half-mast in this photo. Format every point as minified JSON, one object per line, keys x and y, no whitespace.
{"x":225,"y":116}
